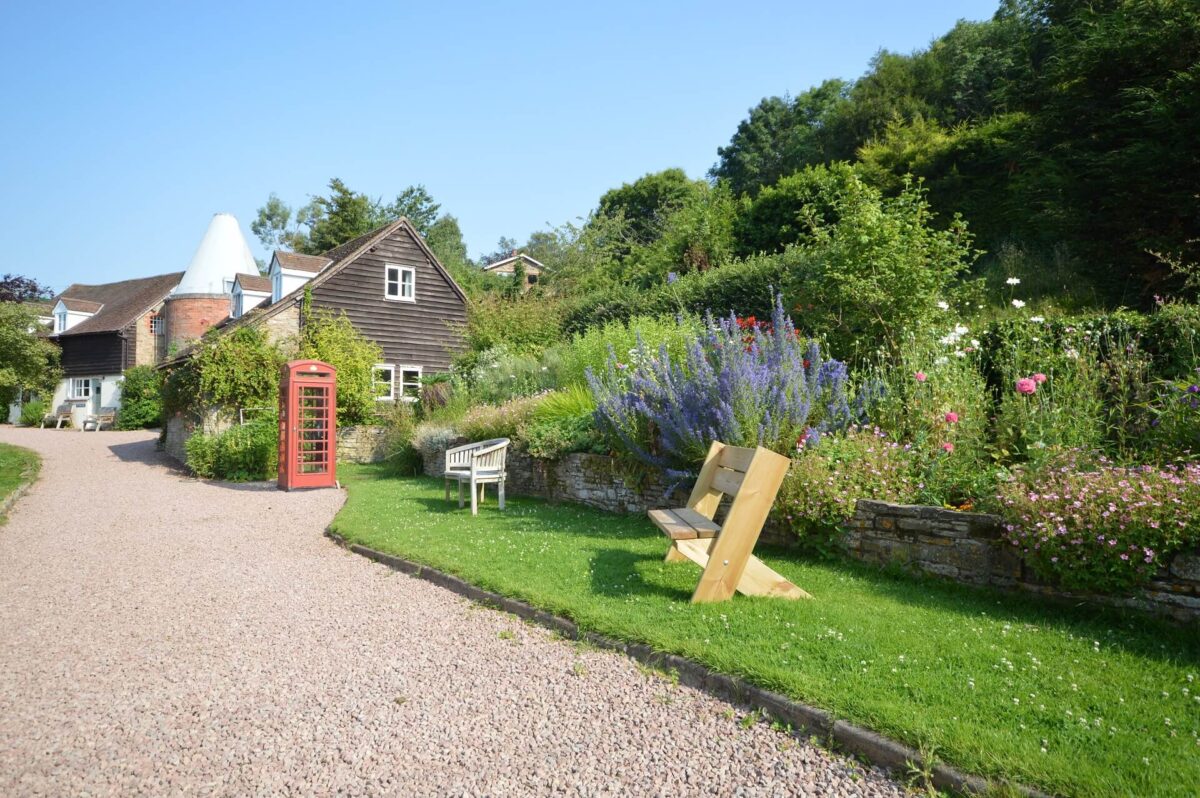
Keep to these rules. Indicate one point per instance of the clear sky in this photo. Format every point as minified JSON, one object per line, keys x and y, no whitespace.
{"x":125,"y":125}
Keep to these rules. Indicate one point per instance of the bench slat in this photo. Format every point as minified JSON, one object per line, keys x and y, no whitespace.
{"x":672,"y":525}
{"x":727,"y":482}
{"x":705,"y":527}
{"x":736,"y":458}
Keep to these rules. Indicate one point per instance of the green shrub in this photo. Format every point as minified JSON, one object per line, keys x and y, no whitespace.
{"x":141,"y":399}
{"x":430,"y":438}
{"x":818,"y":497}
{"x":235,"y":369}
{"x":1173,"y":338}
{"x":484,"y":422}
{"x":401,"y":456}
{"x":500,"y":373}
{"x":524,"y":325}
{"x":562,"y":422}
{"x":590,"y":349}
{"x":240,"y":454}
{"x":33,"y":412}
{"x":332,"y":339}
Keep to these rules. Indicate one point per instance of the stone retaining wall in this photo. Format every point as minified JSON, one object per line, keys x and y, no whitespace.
{"x":968,"y":547}
{"x":360,"y":444}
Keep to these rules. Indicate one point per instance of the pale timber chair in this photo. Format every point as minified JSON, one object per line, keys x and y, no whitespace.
{"x":751,"y":477}
{"x":477,"y":465}
{"x":59,"y":416}
{"x":106,"y":416}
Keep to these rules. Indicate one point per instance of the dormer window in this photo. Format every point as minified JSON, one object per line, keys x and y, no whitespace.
{"x":276,"y":284}
{"x":400,"y":283}
{"x":60,"y":321}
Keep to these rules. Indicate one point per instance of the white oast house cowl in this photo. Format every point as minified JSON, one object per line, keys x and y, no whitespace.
{"x":222,"y":255}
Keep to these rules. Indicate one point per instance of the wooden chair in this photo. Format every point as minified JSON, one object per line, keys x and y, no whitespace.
{"x":477,"y":464}
{"x":61,"y":414}
{"x":752,"y":478}
{"x":107,"y":415}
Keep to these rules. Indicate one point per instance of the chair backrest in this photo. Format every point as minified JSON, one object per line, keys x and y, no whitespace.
{"x":462,"y":457}
{"x":64,"y":410}
{"x":735,"y":471}
{"x":490,"y":456}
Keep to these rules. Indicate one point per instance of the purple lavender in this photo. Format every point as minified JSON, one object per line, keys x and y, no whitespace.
{"x":742,"y":382}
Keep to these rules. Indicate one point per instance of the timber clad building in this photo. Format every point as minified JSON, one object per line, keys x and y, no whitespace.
{"x":387,"y":282}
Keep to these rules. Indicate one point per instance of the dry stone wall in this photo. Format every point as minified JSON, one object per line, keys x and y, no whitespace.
{"x":969,"y":548}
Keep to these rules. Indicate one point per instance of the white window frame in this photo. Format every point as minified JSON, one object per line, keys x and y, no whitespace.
{"x":415,"y":383}
{"x":60,"y":322}
{"x":391,"y":394}
{"x":276,"y":285}
{"x":158,"y":324}
{"x":80,"y":382}
{"x":398,"y":282}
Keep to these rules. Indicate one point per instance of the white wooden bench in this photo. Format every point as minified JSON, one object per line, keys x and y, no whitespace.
{"x":477,"y":465}
{"x":752,"y":478}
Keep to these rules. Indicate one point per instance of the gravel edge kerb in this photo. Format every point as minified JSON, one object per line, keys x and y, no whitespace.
{"x":18,"y":492}
{"x":874,"y":748}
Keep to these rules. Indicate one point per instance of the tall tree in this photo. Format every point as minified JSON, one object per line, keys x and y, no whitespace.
{"x":27,"y":360}
{"x":415,"y":203}
{"x":16,"y":288}
{"x":646,"y":202}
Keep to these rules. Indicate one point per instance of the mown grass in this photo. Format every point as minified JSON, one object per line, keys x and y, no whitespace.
{"x":1075,"y":700}
{"x":17,"y":466}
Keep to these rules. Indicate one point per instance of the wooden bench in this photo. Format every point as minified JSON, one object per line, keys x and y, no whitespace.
{"x":63,"y":413}
{"x":476,"y":464}
{"x":752,"y":478}
{"x":106,"y":417}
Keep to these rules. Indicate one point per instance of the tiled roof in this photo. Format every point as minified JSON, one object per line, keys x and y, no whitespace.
{"x":81,"y":305}
{"x":118,"y":304}
{"x":302,"y":263}
{"x":250,"y":282}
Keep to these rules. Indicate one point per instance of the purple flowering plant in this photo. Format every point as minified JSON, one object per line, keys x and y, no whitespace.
{"x":1102,"y":527}
{"x":741,"y":381}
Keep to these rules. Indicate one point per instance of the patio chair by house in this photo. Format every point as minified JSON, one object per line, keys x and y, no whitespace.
{"x":61,"y":414}
{"x":751,"y":477}
{"x":106,"y":416}
{"x":476,"y":465}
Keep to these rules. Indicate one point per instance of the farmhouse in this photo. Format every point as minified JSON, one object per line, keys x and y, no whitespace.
{"x":508,"y":268}
{"x":388,"y":283}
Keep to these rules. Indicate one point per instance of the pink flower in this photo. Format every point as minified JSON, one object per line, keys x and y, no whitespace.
{"x":1026,"y":386}
{"x":952,"y":417}
{"x":920,"y":376}
{"x":948,"y":447}
{"x":1039,"y":378}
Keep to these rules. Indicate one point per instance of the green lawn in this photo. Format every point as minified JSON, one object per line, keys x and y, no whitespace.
{"x":1077,"y":701}
{"x":17,"y":465}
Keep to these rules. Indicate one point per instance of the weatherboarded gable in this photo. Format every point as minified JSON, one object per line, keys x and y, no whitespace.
{"x":423,"y":332}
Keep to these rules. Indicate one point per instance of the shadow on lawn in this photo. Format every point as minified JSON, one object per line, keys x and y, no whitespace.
{"x":1135,"y":632}
{"x":615,"y":572}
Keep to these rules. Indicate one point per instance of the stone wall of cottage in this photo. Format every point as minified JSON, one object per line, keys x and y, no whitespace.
{"x":969,"y":548}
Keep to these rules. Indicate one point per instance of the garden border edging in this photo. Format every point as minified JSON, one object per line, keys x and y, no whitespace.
{"x":17,"y":493}
{"x":850,"y":738}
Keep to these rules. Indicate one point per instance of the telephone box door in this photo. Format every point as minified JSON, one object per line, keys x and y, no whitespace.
{"x":307,"y":421}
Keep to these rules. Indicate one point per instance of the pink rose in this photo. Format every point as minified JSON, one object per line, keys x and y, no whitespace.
{"x":952,"y":418}
{"x":920,"y":376}
{"x":1026,"y":386}
{"x":948,"y":447}
{"x":1039,"y":378}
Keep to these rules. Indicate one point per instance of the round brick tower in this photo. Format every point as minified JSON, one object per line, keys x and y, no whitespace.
{"x":202,"y":297}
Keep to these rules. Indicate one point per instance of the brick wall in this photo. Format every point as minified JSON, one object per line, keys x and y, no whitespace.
{"x":968,"y":547}
{"x":190,"y":315}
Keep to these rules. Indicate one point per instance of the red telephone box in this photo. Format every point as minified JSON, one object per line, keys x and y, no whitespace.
{"x":307,"y":425}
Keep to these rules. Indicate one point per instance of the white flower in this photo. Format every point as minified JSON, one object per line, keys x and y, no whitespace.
{"x":975,"y":342}
{"x":960,"y":330}
{"x":960,"y":353}
{"x":1016,"y":303}
{"x":1013,"y":281}
{"x":941,"y":361}
{"x":944,"y":305}
{"x":1037,"y":319}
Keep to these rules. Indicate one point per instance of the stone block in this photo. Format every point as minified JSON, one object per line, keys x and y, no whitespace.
{"x":1186,"y":565}
{"x":941,"y":569}
{"x":915,"y":525}
{"x":934,"y":540}
{"x":885,"y":522}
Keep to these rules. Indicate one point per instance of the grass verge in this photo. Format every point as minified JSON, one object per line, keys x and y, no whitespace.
{"x":1075,"y":700}
{"x":17,"y":466}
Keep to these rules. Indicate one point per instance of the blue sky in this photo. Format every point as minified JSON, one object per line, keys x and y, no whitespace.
{"x":127,"y":125}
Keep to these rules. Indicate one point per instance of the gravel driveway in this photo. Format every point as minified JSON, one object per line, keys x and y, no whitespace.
{"x":160,"y":635}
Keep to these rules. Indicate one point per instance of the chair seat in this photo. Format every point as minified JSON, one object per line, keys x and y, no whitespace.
{"x":684,"y":523}
{"x":465,"y":476}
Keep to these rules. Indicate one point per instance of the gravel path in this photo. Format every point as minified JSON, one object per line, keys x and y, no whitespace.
{"x":160,"y":635}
